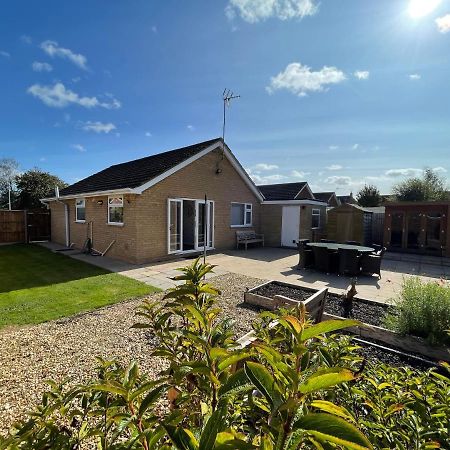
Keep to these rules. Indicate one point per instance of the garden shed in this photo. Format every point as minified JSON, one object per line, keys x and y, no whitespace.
{"x":349,"y":222}
{"x":418,"y":227}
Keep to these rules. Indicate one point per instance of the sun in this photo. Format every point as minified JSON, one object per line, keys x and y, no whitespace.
{"x":420,"y":8}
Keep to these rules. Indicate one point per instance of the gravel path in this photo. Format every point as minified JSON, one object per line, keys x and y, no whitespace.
{"x":67,"y":348}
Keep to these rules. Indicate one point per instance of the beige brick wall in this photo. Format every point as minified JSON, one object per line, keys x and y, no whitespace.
{"x":143,"y":237}
{"x":271,"y":216}
{"x":306,"y":231}
{"x":193,"y":181}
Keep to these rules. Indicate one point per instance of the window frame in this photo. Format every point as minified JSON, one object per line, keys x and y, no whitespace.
{"x":248,"y":207}
{"x":77,"y":207}
{"x":119,"y":224}
{"x":315,"y":212}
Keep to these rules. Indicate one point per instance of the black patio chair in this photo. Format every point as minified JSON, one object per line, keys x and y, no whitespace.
{"x":353,"y":243}
{"x":371,"y":264}
{"x":306,"y":256}
{"x":324,"y":260}
{"x":349,"y":262}
{"x":327,"y":241}
{"x":376,"y":248}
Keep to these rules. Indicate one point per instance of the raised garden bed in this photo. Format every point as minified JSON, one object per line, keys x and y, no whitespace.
{"x":273,"y":294}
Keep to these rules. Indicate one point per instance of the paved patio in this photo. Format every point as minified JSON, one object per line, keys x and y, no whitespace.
{"x":281,"y":264}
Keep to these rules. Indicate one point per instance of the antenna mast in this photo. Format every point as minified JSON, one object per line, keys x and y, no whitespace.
{"x":227,"y":96}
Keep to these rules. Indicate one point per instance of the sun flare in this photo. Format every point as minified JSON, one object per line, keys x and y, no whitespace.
{"x":421,"y":8}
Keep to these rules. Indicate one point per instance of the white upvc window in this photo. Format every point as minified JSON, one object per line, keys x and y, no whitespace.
{"x":315,"y":223}
{"x":115,"y":210}
{"x":241,"y":214}
{"x":80,"y":210}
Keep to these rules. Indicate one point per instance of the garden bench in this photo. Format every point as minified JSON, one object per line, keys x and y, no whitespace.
{"x":248,"y":237}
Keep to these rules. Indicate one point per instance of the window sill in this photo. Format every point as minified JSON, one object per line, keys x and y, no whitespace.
{"x":241,"y":226}
{"x":80,"y":221}
{"x":116,"y":224}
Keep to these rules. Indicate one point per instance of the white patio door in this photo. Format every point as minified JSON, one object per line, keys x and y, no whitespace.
{"x":190,"y":222}
{"x":290,"y":226}
{"x":204,"y":224}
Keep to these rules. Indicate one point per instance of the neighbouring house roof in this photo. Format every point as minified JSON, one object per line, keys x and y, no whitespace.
{"x":326,"y":197}
{"x":283,"y":191}
{"x":133,"y":174}
{"x":347,"y":199}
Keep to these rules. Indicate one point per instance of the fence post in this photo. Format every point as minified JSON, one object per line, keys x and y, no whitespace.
{"x":25,"y":221}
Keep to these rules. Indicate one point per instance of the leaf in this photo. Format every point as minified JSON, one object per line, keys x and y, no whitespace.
{"x":329,"y":428}
{"x":264,"y":382}
{"x":232,"y":360}
{"x":151,"y":398}
{"x":325,"y":378}
{"x":326,"y":327}
{"x":332,"y":409}
{"x":236,"y":383}
{"x":110,"y":388}
{"x":212,"y":427}
{"x":181,"y":438}
{"x":294,"y":322}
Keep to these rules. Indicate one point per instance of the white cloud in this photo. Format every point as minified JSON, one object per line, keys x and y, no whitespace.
{"x":54,"y":50}
{"x":299,"y":174}
{"x":26,"y":39}
{"x":79,"y":147}
{"x":57,"y":96}
{"x":154,"y":29}
{"x":361,"y":74}
{"x":259,"y":10}
{"x":301,"y":80}
{"x":190,"y":127}
{"x":98,"y":127}
{"x":41,"y":66}
{"x":355,"y":146}
{"x":440,"y":169}
{"x":443,"y":23}
{"x":4,"y":54}
{"x":409,"y":172}
{"x":339,"y":180}
{"x":333,"y":147}
{"x":334,"y":167}
{"x":42,"y":159}
{"x":148,"y":134}
{"x":415,"y":76}
{"x":264,"y":166}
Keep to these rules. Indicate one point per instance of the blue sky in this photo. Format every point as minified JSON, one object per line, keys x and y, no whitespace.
{"x":337,"y":93}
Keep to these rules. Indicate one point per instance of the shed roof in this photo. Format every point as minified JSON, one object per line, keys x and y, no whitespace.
{"x":282,"y":191}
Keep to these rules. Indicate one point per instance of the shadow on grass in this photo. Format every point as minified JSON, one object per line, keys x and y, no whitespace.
{"x":26,"y":266}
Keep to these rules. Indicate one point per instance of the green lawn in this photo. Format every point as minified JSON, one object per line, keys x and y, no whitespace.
{"x":37,"y":285}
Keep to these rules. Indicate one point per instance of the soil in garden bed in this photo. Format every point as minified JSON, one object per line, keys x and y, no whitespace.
{"x":371,"y":313}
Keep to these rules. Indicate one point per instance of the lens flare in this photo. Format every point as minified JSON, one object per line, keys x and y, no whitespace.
{"x":421,"y":8}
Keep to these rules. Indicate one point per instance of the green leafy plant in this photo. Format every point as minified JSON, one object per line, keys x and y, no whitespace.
{"x":294,"y":386}
{"x":423,"y":309}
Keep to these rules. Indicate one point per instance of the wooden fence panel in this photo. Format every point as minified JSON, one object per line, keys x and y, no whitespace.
{"x":12,"y":226}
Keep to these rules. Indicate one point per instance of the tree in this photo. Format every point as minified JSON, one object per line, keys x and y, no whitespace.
{"x":9,"y":168}
{"x":368,"y":196}
{"x":35,"y":184}
{"x":430,"y":186}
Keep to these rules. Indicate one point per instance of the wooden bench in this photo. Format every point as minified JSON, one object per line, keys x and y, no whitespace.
{"x":248,"y":237}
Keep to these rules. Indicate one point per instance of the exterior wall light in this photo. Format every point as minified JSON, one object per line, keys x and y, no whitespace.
{"x":100,"y":202}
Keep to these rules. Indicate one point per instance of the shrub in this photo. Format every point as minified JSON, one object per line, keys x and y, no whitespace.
{"x":423,"y":310}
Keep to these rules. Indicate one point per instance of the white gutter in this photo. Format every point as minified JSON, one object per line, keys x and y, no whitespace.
{"x":91,"y":194}
{"x":294,"y":202}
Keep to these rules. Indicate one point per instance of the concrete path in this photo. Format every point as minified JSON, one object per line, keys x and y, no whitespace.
{"x":281,"y":265}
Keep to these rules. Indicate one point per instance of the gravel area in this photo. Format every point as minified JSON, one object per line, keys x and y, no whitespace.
{"x":67,"y":348}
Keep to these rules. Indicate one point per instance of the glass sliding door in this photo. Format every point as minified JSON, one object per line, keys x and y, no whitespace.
{"x":397,"y":230}
{"x":205,"y":224}
{"x":433,"y":232}
{"x":413,"y":231}
{"x":175,"y":226}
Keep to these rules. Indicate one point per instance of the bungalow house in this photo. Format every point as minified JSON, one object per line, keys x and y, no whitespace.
{"x":344,"y":199}
{"x":153,"y":208}
{"x":328,"y":197}
{"x":291,"y":212}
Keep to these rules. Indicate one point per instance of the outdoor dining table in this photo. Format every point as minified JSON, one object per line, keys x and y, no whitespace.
{"x":337,"y":245}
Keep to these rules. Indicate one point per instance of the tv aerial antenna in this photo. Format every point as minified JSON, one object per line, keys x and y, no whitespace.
{"x":227,"y":97}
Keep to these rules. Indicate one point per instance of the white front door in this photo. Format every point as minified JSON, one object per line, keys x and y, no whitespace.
{"x":290,"y":226}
